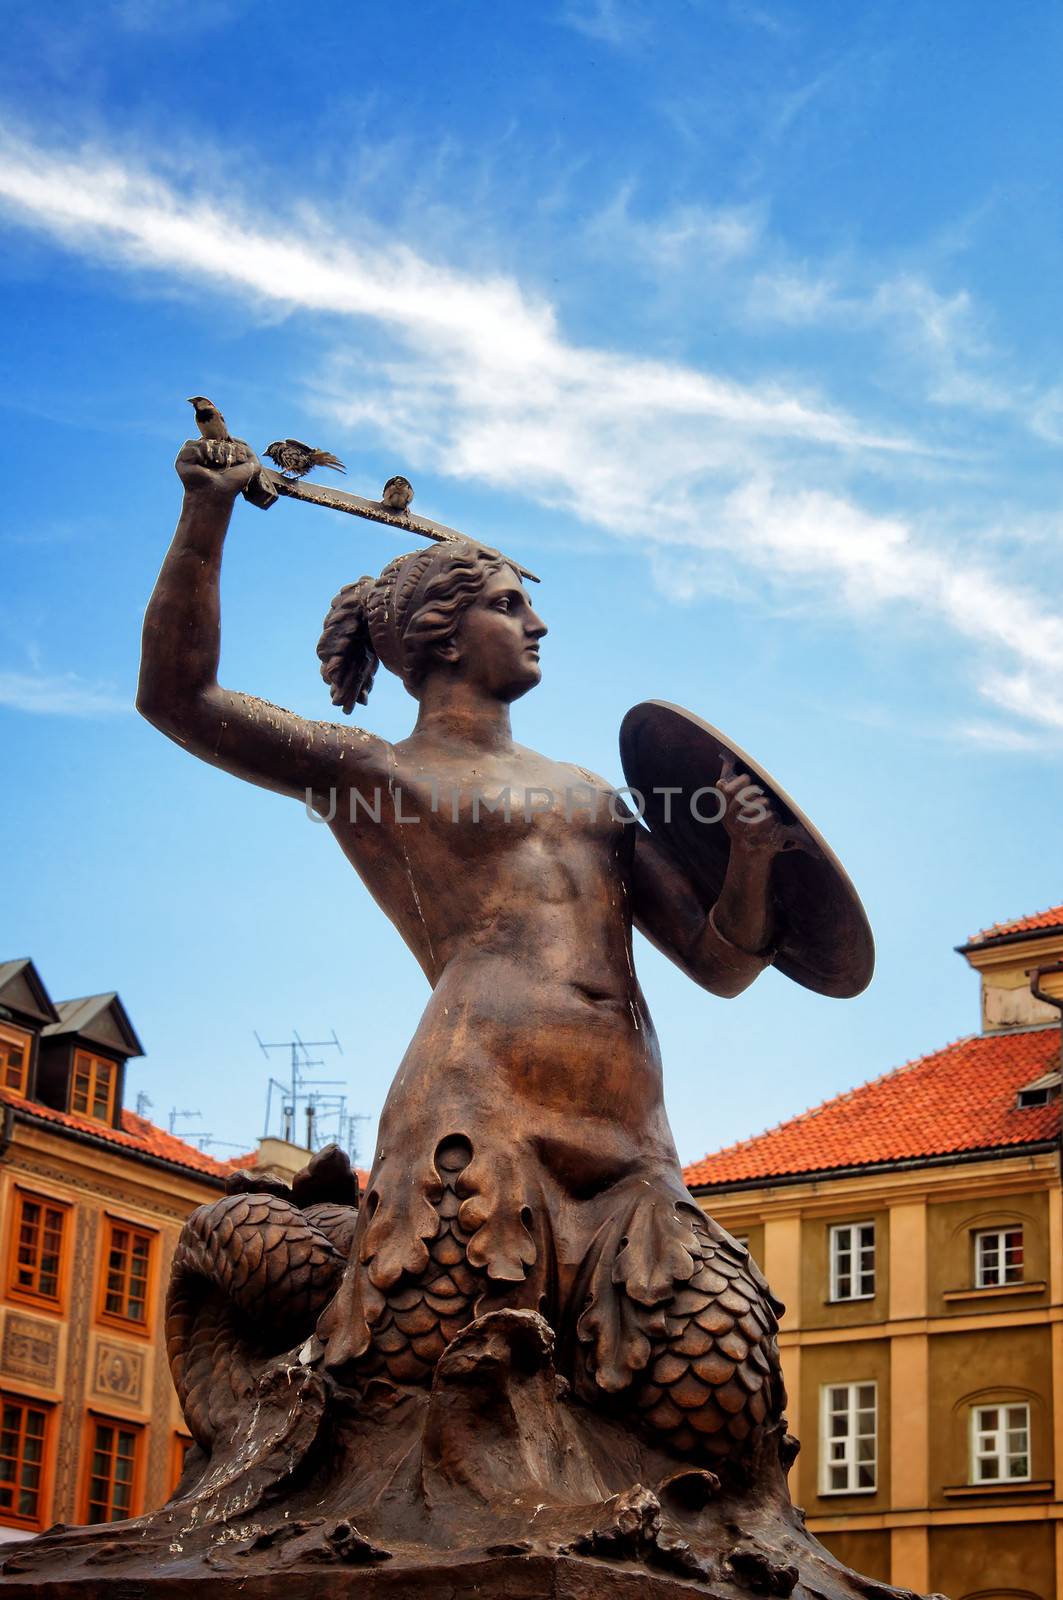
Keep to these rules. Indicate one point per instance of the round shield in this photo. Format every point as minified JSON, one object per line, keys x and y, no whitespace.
{"x":822,"y":936}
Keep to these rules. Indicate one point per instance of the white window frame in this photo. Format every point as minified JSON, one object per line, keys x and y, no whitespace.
{"x":842,"y":1451}
{"x":995,"y":1276}
{"x":996,"y":1443}
{"x":845,"y":1242}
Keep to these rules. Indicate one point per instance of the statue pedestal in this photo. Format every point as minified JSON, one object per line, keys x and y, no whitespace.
{"x":530,"y":1577}
{"x":497,"y":1483}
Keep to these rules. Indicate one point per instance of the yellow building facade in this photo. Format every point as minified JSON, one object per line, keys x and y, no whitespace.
{"x":92,"y":1199}
{"x":914,"y":1229}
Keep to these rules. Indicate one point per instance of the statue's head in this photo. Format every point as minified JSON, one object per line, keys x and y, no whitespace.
{"x":455,"y":609}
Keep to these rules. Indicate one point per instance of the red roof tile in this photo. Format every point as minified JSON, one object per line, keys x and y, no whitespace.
{"x":960,"y":1098}
{"x":1052,"y":918}
{"x":136,"y":1135}
{"x":139,"y":1135}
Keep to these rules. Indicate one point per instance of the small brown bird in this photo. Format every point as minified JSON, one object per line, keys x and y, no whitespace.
{"x":397,"y":494}
{"x":209,"y":419}
{"x":296,"y":459}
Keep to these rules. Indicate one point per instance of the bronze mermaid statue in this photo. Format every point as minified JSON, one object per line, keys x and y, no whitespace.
{"x":524,"y":1156}
{"x":525,"y":1175}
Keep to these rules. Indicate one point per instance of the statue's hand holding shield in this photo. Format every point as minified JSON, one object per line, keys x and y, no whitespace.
{"x":753,"y":821}
{"x":678,"y":763}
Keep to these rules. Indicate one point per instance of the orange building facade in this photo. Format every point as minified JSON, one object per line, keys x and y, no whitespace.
{"x":914,"y":1228}
{"x":92,"y":1199}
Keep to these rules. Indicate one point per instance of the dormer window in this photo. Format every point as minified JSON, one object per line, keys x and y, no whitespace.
{"x":82,"y":1059}
{"x":15,"y":1045}
{"x":1040,"y":1092}
{"x":92,"y":1086}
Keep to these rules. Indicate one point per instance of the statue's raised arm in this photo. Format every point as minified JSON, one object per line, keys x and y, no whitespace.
{"x":179,"y":690}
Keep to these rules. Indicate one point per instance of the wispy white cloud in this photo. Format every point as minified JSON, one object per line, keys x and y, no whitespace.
{"x":1044,"y":413}
{"x":755,"y":16}
{"x":875,"y":561}
{"x":499,"y":334}
{"x":686,"y":237}
{"x":1027,"y":694}
{"x":160,"y":16}
{"x":59,"y":695}
{"x":1000,"y":736}
{"x":942,"y":335}
{"x":793,"y":105}
{"x":791,"y":296}
{"x":480,"y":381}
{"x":932,"y":324}
{"x":620,"y":23}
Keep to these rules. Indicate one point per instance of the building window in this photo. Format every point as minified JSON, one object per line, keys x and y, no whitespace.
{"x":998,"y":1257}
{"x":23,"y":1446}
{"x":182,"y":1444}
{"x":852,"y":1261}
{"x":113,"y":1469}
{"x":92,"y":1086}
{"x":849,"y":1438}
{"x":127,"y":1273}
{"x":14,"y":1059}
{"x":1000,"y":1444}
{"x":37,"y":1248}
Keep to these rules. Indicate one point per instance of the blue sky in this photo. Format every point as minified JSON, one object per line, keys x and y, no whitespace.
{"x":738,"y":322}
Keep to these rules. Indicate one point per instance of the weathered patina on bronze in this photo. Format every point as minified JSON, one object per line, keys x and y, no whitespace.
{"x":526,"y":1363}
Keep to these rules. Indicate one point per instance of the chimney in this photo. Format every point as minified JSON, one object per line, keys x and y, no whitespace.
{"x":279,"y":1158}
{"x":1007,"y":957}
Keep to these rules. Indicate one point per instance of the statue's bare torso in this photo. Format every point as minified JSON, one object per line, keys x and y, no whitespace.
{"x":529,"y":949}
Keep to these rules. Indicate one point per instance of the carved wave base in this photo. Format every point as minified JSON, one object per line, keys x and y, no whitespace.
{"x":497,"y":1483}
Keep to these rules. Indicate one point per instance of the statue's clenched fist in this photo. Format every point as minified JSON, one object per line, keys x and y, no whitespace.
{"x":216,"y":466}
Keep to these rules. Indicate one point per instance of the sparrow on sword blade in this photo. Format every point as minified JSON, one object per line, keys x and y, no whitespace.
{"x":397,"y":494}
{"x":296,"y":459}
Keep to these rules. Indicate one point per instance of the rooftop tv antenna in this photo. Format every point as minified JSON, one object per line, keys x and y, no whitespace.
{"x":182,"y":1116}
{"x":300,"y":1088}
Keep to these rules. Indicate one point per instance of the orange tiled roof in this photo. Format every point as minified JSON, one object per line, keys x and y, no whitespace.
{"x":136,"y":1135}
{"x":960,"y":1098}
{"x":141,"y":1136}
{"x":1052,"y":918}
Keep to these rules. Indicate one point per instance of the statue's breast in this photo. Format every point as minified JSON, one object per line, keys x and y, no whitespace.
{"x":492,"y":808}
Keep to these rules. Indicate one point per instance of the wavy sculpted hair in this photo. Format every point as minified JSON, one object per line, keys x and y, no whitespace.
{"x":400,"y":618}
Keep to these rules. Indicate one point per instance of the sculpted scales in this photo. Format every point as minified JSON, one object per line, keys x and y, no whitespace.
{"x":527,"y":1344}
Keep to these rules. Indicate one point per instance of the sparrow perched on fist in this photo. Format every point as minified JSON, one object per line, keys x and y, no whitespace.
{"x":209,"y":419}
{"x":222,"y":449}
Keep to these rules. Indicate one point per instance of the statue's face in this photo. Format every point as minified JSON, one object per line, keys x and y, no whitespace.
{"x":496,"y":644}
